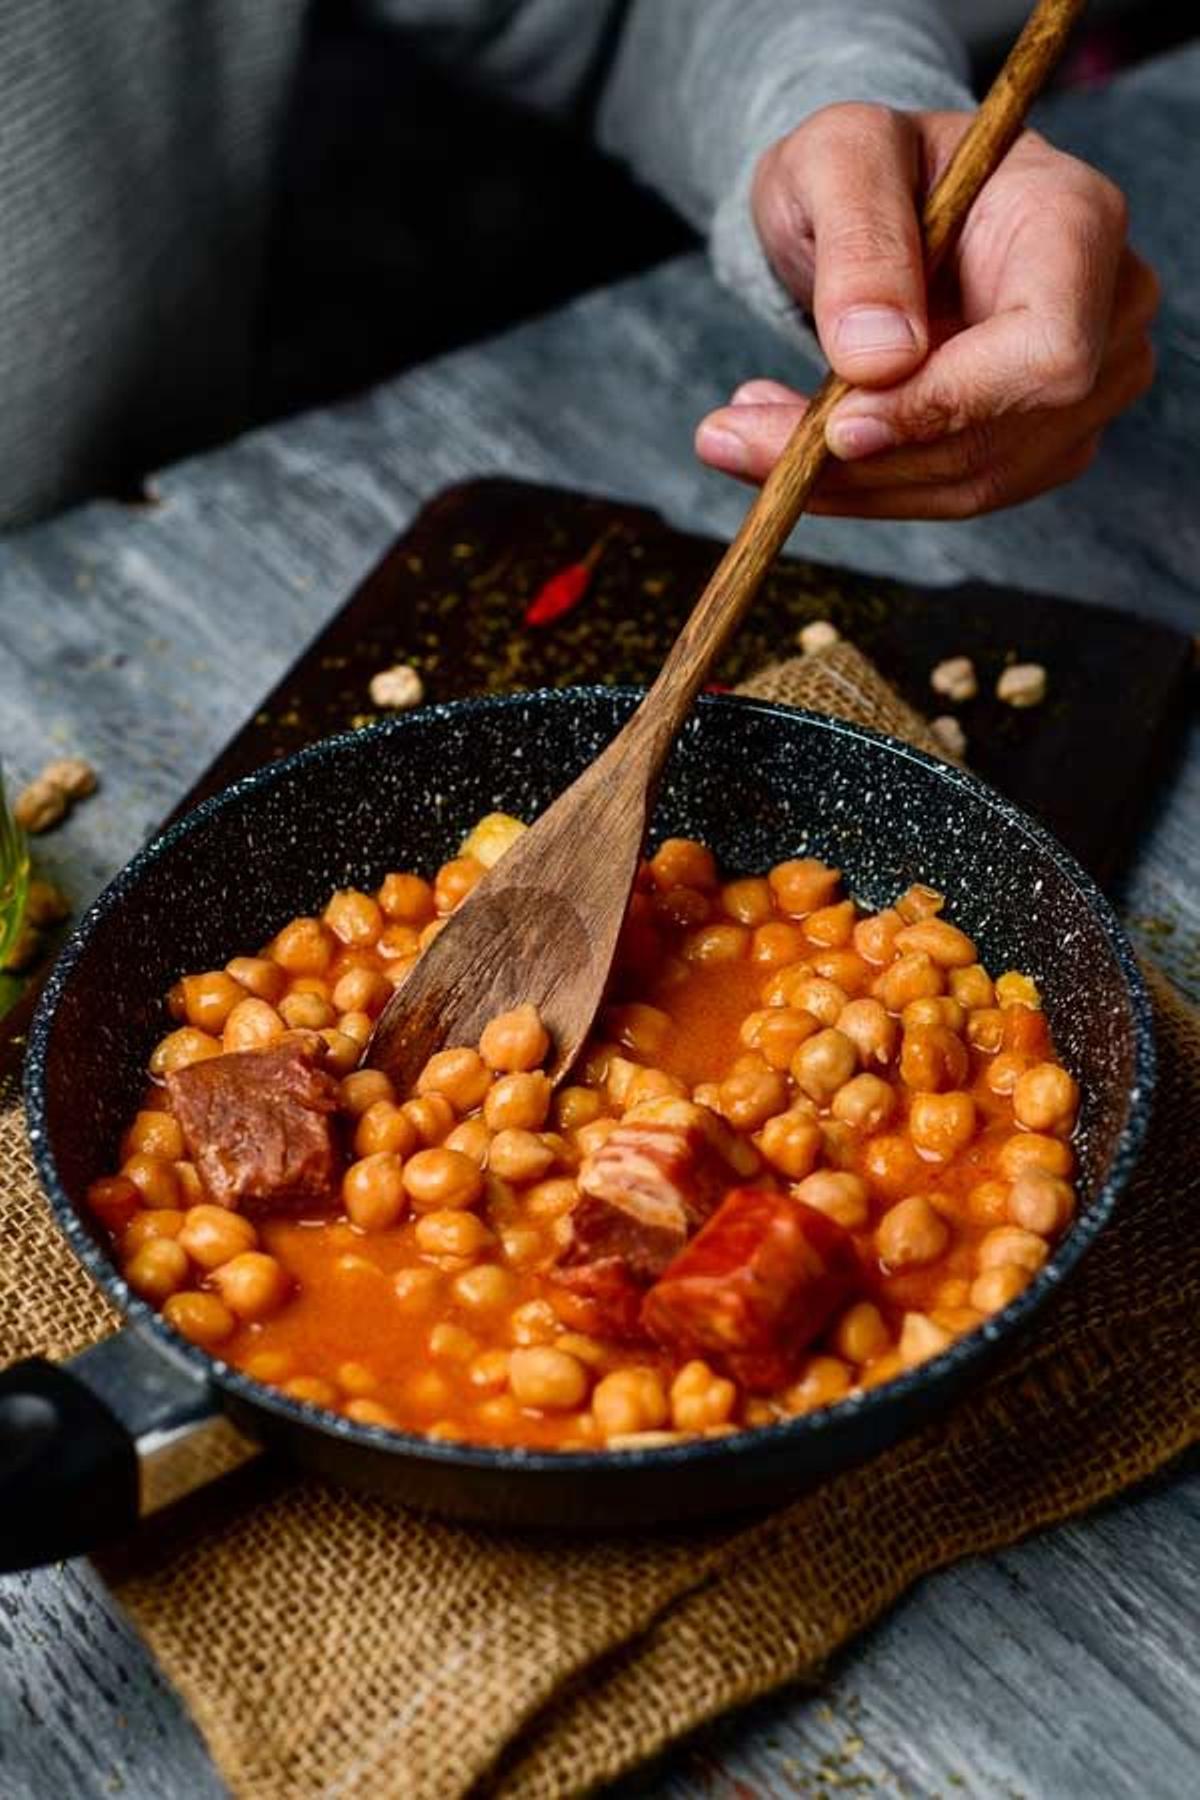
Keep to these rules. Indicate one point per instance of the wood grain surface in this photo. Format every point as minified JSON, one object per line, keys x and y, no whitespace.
{"x":1064,"y":1669}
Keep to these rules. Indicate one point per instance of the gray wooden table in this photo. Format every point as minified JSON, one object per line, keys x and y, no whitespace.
{"x":1065,"y":1667}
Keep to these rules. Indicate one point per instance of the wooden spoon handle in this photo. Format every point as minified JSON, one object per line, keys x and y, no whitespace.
{"x":737,"y":577}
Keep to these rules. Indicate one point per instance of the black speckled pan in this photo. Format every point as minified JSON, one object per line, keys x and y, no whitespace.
{"x":757,"y":782}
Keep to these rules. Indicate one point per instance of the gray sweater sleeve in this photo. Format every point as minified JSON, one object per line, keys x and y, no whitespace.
{"x":690,"y":92}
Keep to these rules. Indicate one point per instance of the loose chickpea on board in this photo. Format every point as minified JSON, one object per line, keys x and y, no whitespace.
{"x":809,"y":1146}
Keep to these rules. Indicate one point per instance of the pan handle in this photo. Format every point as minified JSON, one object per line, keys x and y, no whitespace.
{"x":90,"y":1446}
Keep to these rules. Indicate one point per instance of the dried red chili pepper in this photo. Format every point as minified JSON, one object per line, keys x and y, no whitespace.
{"x":567,"y":587}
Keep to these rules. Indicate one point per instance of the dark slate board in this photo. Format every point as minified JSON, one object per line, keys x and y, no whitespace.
{"x":450,"y":594}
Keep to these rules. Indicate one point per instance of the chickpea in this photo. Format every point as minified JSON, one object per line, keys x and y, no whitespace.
{"x":920,"y":1338}
{"x":439,"y":1179}
{"x":259,"y":976}
{"x":202,"y":1319}
{"x":454,"y":881}
{"x":910,"y":977}
{"x":488,"y":1372}
{"x":972,"y":987}
{"x":700,"y":1398}
{"x":825,"y":1379}
{"x":357,"y":1026}
{"x":810,"y":994}
{"x":641,"y":1029}
{"x":791,"y":1143}
{"x":803,"y":885}
{"x":515,"y":1041}
{"x":417,"y":1289}
{"x":473,"y":1138}
{"x":774,"y":945}
{"x":361,"y":990}
{"x":574,"y":1107}
{"x":157,"y":1222}
{"x":305,"y":947}
{"x":866,"y":1102}
{"x":996,"y":1287}
{"x":748,"y":901}
{"x":679,"y":908}
{"x":313,"y":1390}
{"x":157,"y":1269}
{"x":892,"y":1165}
{"x":884,"y":1368}
{"x":251,"y":1025}
{"x":838,"y":1193}
{"x":519,"y":1156}
{"x":649,"y":1085}
{"x":450,"y":1343}
{"x":154,"y":1179}
{"x":985,"y":1029}
{"x":399,"y":945}
{"x":461,"y":1075}
{"x":831,"y":927}
{"x":1005,"y":1071}
{"x":750,"y":1096}
{"x":941,"y":1125}
{"x":932,"y":1058}
{"x":484,"y":1288}
{"x":191,"y":1188}
{"x":681,"y":862}
{"x":987,"y":1203}
{"x":209,"y":999}
{"x":1032,"y":1150}
{"x":723,"y":942}
{"x":155,"y":1134}
{"x":861,"y":1334}
{"x":365,"y":1411}
{"x":373,"y":1191}
{"x":824,"y":1063}
{"x":383,"y":1126}
{"x":777,"y":1032}
{"x":269,"y":1365}
{"x":1046,"y":1098}
{"x":949,"y":947}
{"x":919,"y":902}
{"x":522,"y":1245}
{"x":935,"y":1009}
{"x":536,"y":1322}
{"x":629,"y":1400}
{"x":588,"y":1350}
{"x":588,"y":1138}
{"x":359,"y":1091}
{"x":1040,"y":1202}
{"x":407,"y":899}
{"x":911,"y":1234}
{"x":1015,"y":989}
{"x":870,"y":1029}
{"x":354,"y":917}
{"x":341,"y":1052}
{"x":306,"y":1012}
{"x":500,"y":1412}
{"x":546,"y":1201}
{"x":253,"y":1285}
{"x":547,"y":1379}
{"x":707,"y":1094}
{"x":213,"y":1235}
{"x":875,"y":937}
{"x":180,"y":1049}
{"x":114,"y":1201}
{"x":431,"y":1118}
{"x":839,"y":1144}
{"x":845,"y":968}
{"x":1010,"y":1244}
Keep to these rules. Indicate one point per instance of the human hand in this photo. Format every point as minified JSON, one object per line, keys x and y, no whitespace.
{"x":995,"y":386}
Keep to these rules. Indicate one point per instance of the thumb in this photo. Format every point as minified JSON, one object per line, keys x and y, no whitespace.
{"x":860,"y":176}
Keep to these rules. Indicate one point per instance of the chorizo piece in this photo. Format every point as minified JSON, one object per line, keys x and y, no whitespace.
{"x":754,"y":1287}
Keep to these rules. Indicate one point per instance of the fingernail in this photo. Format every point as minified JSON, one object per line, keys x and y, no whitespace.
{"x":867,"y":329}
{"x":723,"y":447}
{"x":851,"y":438}
{"x":761,"y":392}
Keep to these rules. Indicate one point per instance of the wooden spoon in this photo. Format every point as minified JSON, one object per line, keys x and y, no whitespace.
{"x":542,"y":925}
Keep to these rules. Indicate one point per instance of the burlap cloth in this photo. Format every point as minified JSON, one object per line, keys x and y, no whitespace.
{"x":328,"y":1645}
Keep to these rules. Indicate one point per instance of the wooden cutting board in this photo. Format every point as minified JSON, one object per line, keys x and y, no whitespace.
{"x":451,"y":594}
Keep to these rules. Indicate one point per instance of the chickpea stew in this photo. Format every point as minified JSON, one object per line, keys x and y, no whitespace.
{"x":807,"y":1147}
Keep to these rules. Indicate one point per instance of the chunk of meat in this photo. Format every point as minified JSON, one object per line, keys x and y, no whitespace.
{"x":754,"y":1287}
{"x":643,"y":1193}
{"x":602,"y":1299}
{"x":259,"y":1126}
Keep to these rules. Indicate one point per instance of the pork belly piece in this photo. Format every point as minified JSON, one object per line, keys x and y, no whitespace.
{"x":259,"y":1126}
{"x":754,"y":1287}
{"x":644,"y":1192}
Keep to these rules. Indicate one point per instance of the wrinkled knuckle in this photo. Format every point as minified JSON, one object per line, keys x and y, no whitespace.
{"x":1066,"y":366}
{"x":866,"y":242}
{"x":852,"y":123}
